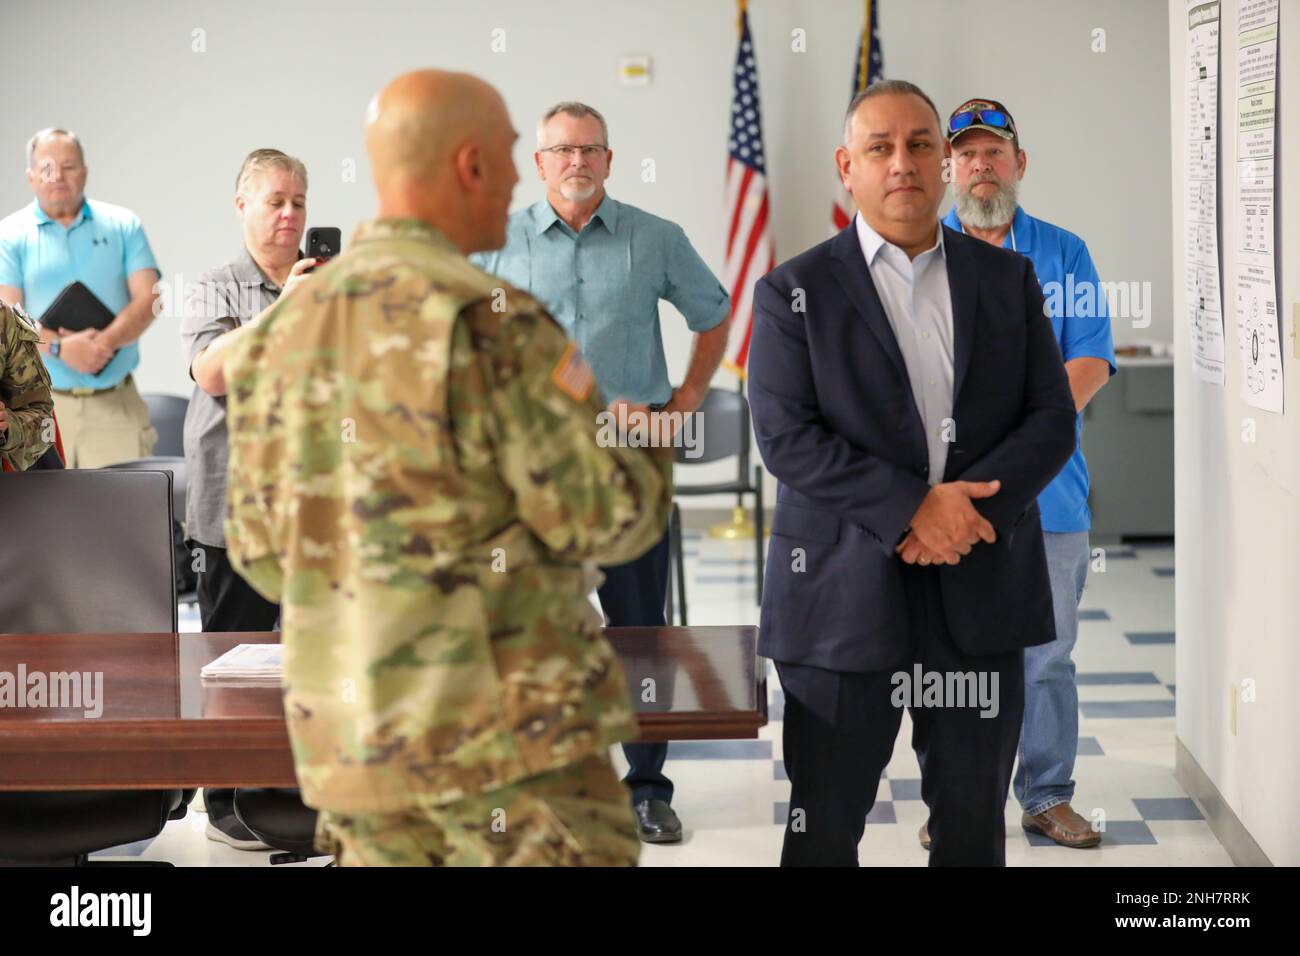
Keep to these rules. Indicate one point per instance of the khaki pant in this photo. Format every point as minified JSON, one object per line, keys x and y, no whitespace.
{"x":104,"y":428}
{"x":580,"y":815}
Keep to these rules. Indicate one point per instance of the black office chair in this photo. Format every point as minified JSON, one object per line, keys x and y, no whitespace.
{"x":280,"y":814}
{"x":179,"y":469}
{"x":167,"y":416}
{"x":280,"y":819}
{"x":723,"y":432}
{"x":105,"y":565}
{"x":174,"y":464}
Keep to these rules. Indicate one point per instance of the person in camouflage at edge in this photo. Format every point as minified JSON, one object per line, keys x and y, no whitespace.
{"x":415,"y":477}
{"x":26,"y":406}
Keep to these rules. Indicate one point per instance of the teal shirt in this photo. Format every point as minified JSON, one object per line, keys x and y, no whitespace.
{"x":604,"y":284}
{"x":103,"y":246}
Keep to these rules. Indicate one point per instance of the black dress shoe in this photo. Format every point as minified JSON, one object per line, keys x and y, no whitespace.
{"x":657,"y":822}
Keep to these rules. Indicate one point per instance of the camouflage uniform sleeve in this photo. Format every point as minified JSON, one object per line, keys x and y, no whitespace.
{"x":583,"y":496}
{"x":25,"y":390}
{"x":252,"y":451}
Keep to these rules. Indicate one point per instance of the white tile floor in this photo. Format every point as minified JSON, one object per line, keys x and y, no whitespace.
{"x":728,"y":803}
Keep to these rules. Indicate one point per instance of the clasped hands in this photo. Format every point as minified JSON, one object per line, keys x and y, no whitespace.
{"x":947,"y":526}
{"x":86,"y":351}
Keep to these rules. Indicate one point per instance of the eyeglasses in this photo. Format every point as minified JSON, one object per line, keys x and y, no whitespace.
{"x":995,"y":118}
{"x":566,"y":152}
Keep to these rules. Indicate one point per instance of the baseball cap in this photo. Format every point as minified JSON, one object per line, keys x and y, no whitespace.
{"x":986,"y":114}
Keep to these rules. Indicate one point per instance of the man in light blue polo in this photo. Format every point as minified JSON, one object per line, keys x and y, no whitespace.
{"x":988,"y":164}
{"x":601,"y":267}
{"x":60,"y":238}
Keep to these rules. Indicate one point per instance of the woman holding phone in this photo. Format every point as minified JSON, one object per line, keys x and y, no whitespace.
{"x":271,"y":201}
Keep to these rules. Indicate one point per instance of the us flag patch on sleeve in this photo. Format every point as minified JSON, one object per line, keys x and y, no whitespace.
{"x":572,"y":375}
{"x":24,"y":318}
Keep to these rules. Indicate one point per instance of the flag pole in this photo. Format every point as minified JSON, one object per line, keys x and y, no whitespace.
{"x":865,"y":45}
{"x":740,"y":526}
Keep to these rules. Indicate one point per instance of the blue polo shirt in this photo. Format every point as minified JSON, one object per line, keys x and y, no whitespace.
{"x":1080,"y":314}
{"x":103,"y":246}
{"x":603,"y":286}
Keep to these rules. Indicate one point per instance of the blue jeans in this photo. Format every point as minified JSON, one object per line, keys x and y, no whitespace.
{"x":1049,"y":737}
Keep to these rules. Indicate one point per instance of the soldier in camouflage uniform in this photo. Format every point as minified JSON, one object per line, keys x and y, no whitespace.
{"x":415,"y":478}
{"x":26,"y":407}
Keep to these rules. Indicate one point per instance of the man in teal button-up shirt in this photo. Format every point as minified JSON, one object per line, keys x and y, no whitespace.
{"x":60,"y":238}
{"x":601,"y":267}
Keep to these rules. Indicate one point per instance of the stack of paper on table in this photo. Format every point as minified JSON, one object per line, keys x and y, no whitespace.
{"x":260,"y":663}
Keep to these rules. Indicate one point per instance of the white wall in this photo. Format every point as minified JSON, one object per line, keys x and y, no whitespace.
{"x":165,"y":128}
{"x":1238,"y":503}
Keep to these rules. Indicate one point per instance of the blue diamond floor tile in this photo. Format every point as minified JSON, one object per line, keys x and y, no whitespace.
{"x":882,"y":812}
{"x":1093,"y":614}
{"x":720,"y":750}
{"x":905,"y":789}
{"x":1149,"y":637}
{"x":1167,"y":808}
{"x":1111,"y":709}
{"x":1116,"y":677}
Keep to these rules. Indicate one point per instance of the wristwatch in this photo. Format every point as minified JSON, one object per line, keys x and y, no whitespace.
{"x":55,"y":344}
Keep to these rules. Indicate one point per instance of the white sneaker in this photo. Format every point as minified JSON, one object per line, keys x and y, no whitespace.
{"x":218,"y":835}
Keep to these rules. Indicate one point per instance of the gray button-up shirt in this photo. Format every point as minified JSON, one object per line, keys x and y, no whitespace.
{"x":918,"y":303}
{"x":223,"y":299}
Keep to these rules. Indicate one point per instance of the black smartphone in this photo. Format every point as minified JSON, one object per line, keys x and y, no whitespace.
{"x":323,"y":243}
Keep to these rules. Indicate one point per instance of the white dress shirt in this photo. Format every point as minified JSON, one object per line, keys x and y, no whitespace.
{"x":918,"y":303}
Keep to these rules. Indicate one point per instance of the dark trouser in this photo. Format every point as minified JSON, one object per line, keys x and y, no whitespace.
{"x":839,"y":734}
{"x":228,"y":603}
{"x":634,"y":595}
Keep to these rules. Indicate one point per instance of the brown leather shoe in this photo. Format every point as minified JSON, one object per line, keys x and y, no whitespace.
{"x":925,"y":835}
{"x":1062,"y":825}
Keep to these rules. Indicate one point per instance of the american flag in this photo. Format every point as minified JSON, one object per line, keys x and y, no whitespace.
{"x":868,"y":67}
{"x":750,"y":253}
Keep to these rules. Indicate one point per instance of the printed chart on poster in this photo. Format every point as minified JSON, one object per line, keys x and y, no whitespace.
{"x":1259,"y":335}
{"x":1201,"y":199}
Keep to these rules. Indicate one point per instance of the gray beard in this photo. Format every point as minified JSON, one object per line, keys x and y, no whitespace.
{"x":575,"y":193}
{"x":988,"y":213}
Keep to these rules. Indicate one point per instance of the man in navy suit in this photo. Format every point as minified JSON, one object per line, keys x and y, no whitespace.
{"x":909,"y":395}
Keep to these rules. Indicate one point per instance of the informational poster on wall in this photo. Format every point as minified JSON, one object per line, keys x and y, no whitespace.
{"x":1201,"y":199}
{"x":1254,"y":267}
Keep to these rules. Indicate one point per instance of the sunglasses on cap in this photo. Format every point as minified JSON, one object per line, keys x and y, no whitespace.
{"x":995,"y":118}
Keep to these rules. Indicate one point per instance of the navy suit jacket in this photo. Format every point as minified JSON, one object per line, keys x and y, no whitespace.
{"x":837,"y":425}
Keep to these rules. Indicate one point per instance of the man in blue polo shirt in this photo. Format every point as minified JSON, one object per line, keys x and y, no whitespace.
{"x":601,"y":267}
{"x":60,"y":238}
{"x":988,"y":165}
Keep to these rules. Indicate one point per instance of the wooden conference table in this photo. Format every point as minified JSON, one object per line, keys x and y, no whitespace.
{"x":162,"y":727}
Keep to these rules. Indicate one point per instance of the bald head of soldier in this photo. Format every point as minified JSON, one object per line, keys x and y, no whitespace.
{"x":440,"y":147}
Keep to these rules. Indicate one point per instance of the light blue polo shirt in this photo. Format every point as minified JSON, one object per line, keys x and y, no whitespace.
{"x":103,"y":246}
{"x":1080,"y":317}
{"x":604,"y":284}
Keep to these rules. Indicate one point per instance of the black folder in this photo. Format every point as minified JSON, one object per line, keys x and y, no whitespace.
{"x":76,"y":309}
